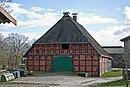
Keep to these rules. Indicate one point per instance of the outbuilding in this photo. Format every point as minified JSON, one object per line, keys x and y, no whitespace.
{"x":126,"y":61}
{"x":117,"y":54}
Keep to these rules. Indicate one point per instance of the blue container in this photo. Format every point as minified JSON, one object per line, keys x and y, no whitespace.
{"x":16,"y":74}
{"x":22,"y":72}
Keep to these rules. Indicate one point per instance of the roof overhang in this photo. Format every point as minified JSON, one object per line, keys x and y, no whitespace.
{"x":128,"y":37}
{"x":5,"y":17}
{"x":109,"y":57}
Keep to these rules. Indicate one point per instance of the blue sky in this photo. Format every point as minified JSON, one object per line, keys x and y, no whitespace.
{"x":106,"y":20}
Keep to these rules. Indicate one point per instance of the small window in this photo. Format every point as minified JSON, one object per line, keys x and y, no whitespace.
{"x":65,"y":46}
{"x":37,"y":51}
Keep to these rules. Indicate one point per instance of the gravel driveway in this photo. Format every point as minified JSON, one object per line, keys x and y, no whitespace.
{"x":58,"y":81}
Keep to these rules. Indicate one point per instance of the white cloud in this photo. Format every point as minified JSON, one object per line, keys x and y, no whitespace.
{"x":127,"y":13}
{"x":108,"y":36}
{"x":31,"y":17}
{"x":37,"y":9}
{"x":90,"y":18}
{"x":47,"y":19}
{"x":111,"y":35}
{"x":5,"y":34}
{"x":17,"y":9}
{"x":118,"y":9}
{"x":6,"y":26}
{"x":72,"y":10}
{"x":32,"y":35}
{"x":87,"y":18}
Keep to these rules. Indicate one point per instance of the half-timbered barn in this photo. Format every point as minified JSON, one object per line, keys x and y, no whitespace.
{"x":67,"y":46}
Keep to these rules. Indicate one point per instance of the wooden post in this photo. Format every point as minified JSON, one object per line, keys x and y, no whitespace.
{"x":126,"y":72}
{"x":126,"y":75}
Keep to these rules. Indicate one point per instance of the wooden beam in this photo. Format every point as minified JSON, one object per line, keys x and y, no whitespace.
{"x":6,"y":14}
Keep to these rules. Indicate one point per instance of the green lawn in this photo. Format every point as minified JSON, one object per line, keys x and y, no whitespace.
{"x":113,"y":73}
{"x":53,"y":73}
{"x":119,"y":83}
{"x":7,"y":83}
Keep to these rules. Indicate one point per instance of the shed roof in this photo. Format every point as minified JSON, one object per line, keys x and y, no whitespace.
{"x":6,"y":17}
{"x":67,"y":30}
{"x":114,"y":49}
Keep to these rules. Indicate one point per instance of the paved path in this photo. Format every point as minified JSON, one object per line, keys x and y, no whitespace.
{"x":58,"y":81}
{"x":101,"y":80}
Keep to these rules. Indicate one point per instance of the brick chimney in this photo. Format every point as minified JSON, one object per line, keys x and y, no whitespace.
{"x":75,"y":16}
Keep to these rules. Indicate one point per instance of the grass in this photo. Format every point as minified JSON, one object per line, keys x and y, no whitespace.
{"x":119,"y":83}
{"x":38,"y":73}
{"x":53,"y":73}
{"x":113,"y":73}
{"x":7,"y":83}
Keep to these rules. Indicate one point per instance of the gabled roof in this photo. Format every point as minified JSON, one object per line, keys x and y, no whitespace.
{"x":6,"y":17}
{"x":67,"y":30}
{"x":126,"y":38}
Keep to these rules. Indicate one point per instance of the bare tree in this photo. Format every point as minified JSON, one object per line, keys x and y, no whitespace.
{"x":2,"y":55}
{"x":5,"y":4}
{"x":15,"y":46}
{"x":31,"y":42}
{"x":1,"y":37}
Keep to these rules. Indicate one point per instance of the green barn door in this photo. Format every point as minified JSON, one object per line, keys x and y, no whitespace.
{"x":60,"y":64}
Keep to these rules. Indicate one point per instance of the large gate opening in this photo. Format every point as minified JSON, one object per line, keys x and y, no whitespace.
{"x":61,"y":64}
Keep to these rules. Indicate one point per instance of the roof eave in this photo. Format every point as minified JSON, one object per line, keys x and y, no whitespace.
{"x":125,"y":38}
{"x":6,"y":14}
{"x":106,"y":56}
{"x":25,"y":55}
{"x":122,"y":40}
